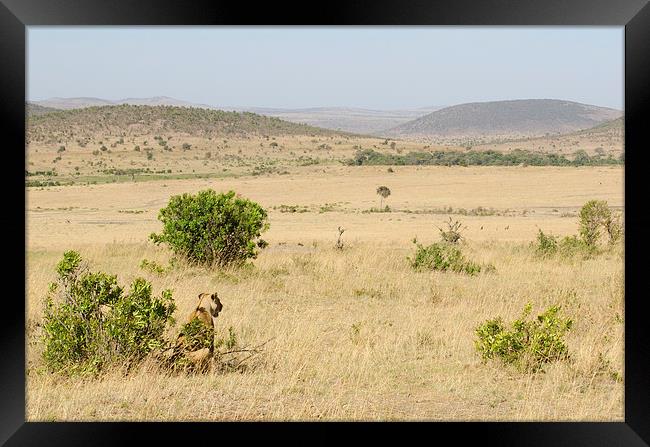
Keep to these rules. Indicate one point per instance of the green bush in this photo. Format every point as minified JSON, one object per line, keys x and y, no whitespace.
{"x":593,"y":216}
{"x":570,"y":246}
{"x":210,"y":228}
{"x":596,"y":221}
{"x":546,"y":244}
{"x":90,"y":322}
{"x":443,"y":257}
{"x":152,"y":266}
{"x":528,"y":344}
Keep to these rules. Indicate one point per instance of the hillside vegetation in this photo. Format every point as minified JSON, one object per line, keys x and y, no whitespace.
{"x":130,"y":120}
{"x":35,"y":109}
{"x":605,"y":138}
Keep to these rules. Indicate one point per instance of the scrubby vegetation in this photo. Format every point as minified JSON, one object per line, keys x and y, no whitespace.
{"x":446,"y":255}
{"x":479,"y":158}
{"x":66,"y":125}
{"x":352,"y":314}
{"x":212,"y":229}
{"x":91,"y":322}
{"x":443,"y":257}
{"x":527,"y":344}
{"x":596,"y":219}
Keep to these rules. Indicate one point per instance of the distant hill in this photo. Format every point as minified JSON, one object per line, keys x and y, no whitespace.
{"x":350,"y":119}
{"x":517,"y":118}
{"x":128,"y":120}
{"x":35,"y":109}
{"x":347,"y":119}
{"x":83,"y":102}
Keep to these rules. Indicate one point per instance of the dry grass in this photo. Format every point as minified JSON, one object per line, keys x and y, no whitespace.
{"x":355,"y":334}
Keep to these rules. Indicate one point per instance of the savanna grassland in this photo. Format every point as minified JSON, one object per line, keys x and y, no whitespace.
{"x":351,"y":334}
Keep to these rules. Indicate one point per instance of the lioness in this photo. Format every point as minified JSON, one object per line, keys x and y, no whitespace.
{"x":207,"y":310}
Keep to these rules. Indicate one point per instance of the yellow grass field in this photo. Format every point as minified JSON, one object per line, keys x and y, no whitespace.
{"x":353,"y":334}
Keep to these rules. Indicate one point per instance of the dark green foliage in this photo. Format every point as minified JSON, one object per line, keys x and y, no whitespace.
{"x":210,"y":228}
{"x":477,"y":158}
{"x":443,"y":257}
{"x":90,"y":322}
{"x":527,"y":344}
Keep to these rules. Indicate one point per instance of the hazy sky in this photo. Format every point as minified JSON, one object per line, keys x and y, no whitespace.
{"x":371,"y":67}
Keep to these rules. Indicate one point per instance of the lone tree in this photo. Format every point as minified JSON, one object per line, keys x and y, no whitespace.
{"x":210,"y":228}
{"x":384,"y":192}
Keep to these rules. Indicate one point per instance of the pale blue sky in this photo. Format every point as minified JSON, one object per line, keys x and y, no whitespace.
{"x":371,"y":67}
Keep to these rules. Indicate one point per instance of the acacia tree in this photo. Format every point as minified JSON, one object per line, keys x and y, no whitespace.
{"x":384,"y":192}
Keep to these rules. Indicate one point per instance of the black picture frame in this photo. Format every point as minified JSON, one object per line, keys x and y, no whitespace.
{"x":16,"y":15}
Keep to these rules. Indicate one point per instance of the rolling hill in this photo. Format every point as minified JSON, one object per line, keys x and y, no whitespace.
{"x":347,"y":119}
{"x":35,"y":109}
{"x":131,"y":120}
{"x":509,"y":119}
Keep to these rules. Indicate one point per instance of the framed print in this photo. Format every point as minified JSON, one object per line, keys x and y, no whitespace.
{"x":422,"y":212}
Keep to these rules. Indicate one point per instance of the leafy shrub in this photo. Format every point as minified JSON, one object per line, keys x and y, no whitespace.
{"x":210,"y":228}
{"x":546,"y":244}
{"x":91,"y":322}
{"x":528,"y":344}
{"x":152,"y":266}
{"x":443,"y":257}
{"x":570,"y":246}
{"x":593,"y":216}
{"x":596,"y":220}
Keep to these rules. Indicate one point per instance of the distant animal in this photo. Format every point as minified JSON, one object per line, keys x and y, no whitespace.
{"x":481,"y":227}
{"x":508,"y":227}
